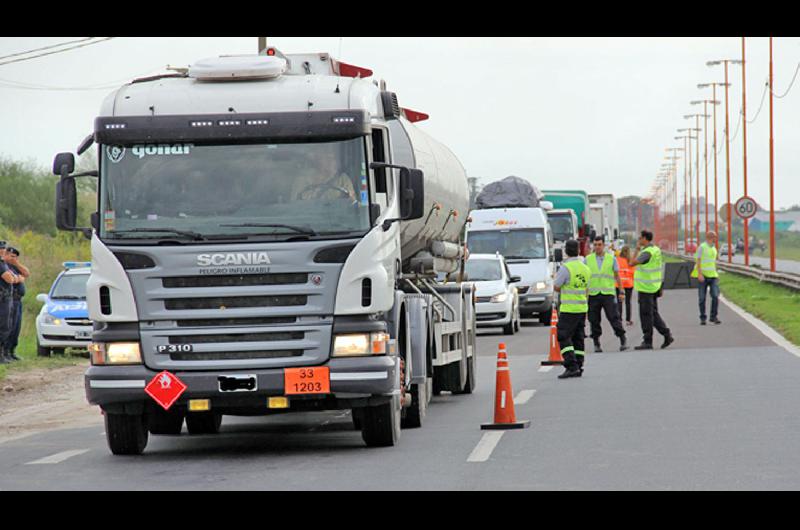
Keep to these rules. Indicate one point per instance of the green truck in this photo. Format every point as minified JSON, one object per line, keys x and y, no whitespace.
{"x":578,"y":202}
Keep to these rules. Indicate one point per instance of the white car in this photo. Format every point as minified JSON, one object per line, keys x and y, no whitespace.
{"x":64,"y":321}
{"x":497,"y":300}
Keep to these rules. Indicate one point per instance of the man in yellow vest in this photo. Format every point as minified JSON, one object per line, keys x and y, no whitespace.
{"x":603,"y":293}
{"x":572,"y":284}
{"x":705,"y":271}
{"x":648,"y":277}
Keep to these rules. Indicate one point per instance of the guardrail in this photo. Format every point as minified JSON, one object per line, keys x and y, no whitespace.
{"x":792,"y":281}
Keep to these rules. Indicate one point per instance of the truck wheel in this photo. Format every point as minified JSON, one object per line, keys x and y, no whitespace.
{"x":381,"y":424}
{"x":415,"y":414}
{"x":357,"y":414}
{"x":165,"y":422}
{"x":469,"y":386}
{"x":126,"y":433}
{"x":203,"y":422}
{"x":41,"y":351}
{"x":57,"y":351}
{"x":546,"y":318}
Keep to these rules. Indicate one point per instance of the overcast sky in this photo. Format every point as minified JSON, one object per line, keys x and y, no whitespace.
{"x":586,"y":113}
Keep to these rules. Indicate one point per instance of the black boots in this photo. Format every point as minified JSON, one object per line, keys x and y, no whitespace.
{"x":623,"y":343}
{"x":667,"y":341}
{"x":597,"y":348}
{"x":644,"y":346}
{"x":574,"y":372}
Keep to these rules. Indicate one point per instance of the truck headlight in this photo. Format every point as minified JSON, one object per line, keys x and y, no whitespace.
{"x":49,"y":319}
{"x":115,"y":353}
{"x":355,"y":344}
{"x":499,"y":298}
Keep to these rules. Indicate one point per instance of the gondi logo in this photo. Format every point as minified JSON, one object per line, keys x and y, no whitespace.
{"x":115,"y":153}
{"x":141,"y":150}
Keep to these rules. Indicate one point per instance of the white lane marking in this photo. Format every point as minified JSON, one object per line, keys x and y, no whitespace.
{"x":523,"y":397}
{"x":59,"y":457}
{"x":763,"y":327}
{"x":485,"y":446}
{"x":545,"y":368}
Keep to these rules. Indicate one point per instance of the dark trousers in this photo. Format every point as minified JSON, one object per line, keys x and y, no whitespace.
{"x":628,"y":298}
{"x":16,"y":326}
{"x":570,"y":331}
{"x":608,"y":304}
{"x":648,"y":314}
{"x":5,"y":317}
{"x":713,"y":285}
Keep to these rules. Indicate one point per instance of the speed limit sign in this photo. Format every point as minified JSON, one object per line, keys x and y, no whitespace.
{"x":746,"y":207}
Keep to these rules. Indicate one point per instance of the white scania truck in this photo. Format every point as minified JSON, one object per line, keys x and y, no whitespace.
{"x":268,"y":234}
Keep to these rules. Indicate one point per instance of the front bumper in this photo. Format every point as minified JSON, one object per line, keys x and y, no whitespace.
{"x":536,"y":303}
{"x":63,"y":336}
{"x":492,"y":314}
{"x":354,"y":381}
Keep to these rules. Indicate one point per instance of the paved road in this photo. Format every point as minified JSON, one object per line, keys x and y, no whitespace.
{"x":781,"y":265}
{"x":717,"y":410}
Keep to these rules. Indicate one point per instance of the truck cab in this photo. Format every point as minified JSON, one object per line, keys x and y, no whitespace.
{"x":523,"y":236}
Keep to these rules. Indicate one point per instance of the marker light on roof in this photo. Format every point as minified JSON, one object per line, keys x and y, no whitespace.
{"x":344,"y":119}
{"x":202,"y":123}
{"x":257,"y":122}
{"x":115,"y":125}
{"x":229,"y":123}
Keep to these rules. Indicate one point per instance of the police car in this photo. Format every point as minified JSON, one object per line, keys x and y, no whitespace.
{"x":64,"y":321}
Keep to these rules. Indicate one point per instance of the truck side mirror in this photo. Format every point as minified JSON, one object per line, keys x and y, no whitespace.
{"x":66,"y":203}
{"x":412,"y":194}
{"x":559,"y":255}
{"x":61,"y":160}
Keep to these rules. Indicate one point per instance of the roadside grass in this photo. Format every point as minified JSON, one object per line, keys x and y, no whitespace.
{"x":26,"y":351}
{"x":777,"y":306}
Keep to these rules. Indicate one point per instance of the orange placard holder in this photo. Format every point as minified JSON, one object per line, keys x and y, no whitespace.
{"x":555,"y":350}
{"x":307,"y":380}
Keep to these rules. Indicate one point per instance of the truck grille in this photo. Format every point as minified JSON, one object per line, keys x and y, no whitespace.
{"x":237,"y":337}
{"x":181,"y":282}
{"x":177,"y":304}
{"x":234,"y":355}
{"x":232,"y":322}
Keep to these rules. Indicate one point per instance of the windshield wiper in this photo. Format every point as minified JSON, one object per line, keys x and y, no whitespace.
{"x":517,"y":257}
{"x":187,"y":233}
{"x":299,"y":230}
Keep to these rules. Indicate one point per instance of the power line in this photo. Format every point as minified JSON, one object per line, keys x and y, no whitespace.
{"x":56,"y":51}
{"x":114,"y":83}
{"x":760,"y":105}
{"x":796,"y":70}
{"x":45,"y":48}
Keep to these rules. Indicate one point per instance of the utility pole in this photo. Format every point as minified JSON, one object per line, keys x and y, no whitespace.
{"x":771,"y":171}
{"x":744,"y":144}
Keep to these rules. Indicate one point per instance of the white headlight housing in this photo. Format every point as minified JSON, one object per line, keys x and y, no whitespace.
{"x":540,"y":286}
{"x":499,"y":298}
{"x":49,"y":319}
{"x":356,"y":344}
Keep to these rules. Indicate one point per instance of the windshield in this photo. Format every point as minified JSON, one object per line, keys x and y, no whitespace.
{"x":523,"y":243}
{"x":561,"y":225}
{"x":70,"y":287}
{"x":187,"y":191}
{"x":481,"y":270}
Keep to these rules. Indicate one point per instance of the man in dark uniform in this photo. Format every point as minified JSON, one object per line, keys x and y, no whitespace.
{"x":18,"y":292}
{"x":572,"y":284}
{"x":7,"y":281}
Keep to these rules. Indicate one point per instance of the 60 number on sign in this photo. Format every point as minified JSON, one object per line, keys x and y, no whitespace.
{"x":746,"y":207}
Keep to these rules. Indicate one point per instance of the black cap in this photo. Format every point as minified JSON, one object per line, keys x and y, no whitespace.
{"x":2,"y":244}
{"x":12,"y":250}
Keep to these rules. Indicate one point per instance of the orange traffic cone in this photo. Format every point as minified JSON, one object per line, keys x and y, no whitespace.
{"x":555,"y":350}
{"x":504,"y":416}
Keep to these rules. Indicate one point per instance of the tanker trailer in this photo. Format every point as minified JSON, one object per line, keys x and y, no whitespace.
{"x":268,"y":237}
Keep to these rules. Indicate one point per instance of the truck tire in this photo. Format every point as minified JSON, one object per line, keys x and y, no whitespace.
{"x":168,"y":422}
{"x":469,"y":386}
{"x":126,"y":433}
{"x":414,"y":415}
{"x":203,"y":422}
{"x":357,"y":414}
{"x":41,"y":351}
{"x":381,"y":424}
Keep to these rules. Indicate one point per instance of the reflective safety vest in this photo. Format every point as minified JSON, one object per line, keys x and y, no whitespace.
{"x":708,"y":262}
{"x":625,"y":273}
{"x":573,"y":293}
{"x":602,"y":281}
{"x":648,"y":277}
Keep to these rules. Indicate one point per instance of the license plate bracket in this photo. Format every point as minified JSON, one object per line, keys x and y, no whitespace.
{"x":238,"y":383}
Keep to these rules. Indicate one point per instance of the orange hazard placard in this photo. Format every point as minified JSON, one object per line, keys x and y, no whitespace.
{"x":307,"y":380}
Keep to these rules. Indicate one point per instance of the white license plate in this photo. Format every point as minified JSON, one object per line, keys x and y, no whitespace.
{"x":83,"y":334}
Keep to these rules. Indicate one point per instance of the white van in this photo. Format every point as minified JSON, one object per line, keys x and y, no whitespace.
{"x":523,"y":237}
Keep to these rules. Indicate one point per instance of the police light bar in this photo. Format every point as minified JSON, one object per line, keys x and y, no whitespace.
{"x":76,"y":264}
